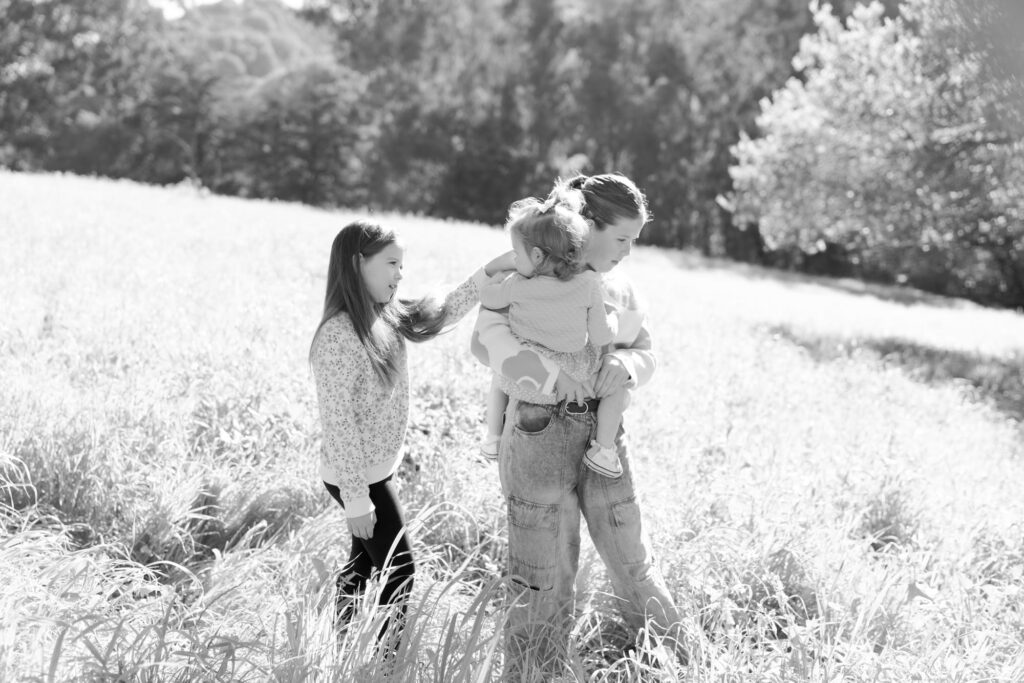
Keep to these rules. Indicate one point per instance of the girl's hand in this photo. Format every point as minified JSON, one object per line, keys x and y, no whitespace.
{"x":611,"y":377}
{"x":362,"y":527}
{"x":569,"y":390}
{"x":502,"y":264}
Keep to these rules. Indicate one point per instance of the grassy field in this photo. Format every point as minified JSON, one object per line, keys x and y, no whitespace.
{"x":830,"y":471}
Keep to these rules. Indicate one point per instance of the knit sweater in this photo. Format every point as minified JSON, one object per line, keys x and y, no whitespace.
{"x":562,"y":315}
{"x":364,"y":420}
{"x":527,"y":371}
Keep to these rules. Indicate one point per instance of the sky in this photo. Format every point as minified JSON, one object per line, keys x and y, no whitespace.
{"x":173,"y":8}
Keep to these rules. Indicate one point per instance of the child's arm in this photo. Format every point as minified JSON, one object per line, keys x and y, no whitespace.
{"x":498,"y":295}
{"x":463,"y":298}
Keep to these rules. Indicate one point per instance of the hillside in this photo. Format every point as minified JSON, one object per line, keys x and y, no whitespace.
{"x":829,"y":470}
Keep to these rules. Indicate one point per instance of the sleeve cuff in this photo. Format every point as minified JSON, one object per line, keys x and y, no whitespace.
{"x":630,"y":368}
{"x":479,"y":278}
{"x":358,"y":507}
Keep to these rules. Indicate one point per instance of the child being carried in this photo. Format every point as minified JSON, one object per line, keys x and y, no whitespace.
{"x":554,"y":302}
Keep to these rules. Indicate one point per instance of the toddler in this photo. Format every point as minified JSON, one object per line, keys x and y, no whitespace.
{"x":552,"y":301}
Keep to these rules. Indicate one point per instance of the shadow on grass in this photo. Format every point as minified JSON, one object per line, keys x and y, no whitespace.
{"x":996,"y":380}
{"x":906,"y":296}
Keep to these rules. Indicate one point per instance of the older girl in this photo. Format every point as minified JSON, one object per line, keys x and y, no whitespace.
{"x":359,"y":362}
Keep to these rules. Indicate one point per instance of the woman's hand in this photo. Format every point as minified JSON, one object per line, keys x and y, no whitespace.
{"x":362,"y":527}
{"x":569,"y":390}
{"x":611,"y":377}
{"x":501,"y":264}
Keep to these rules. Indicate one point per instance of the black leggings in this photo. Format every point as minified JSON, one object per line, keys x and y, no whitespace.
{"x":369,"y":554}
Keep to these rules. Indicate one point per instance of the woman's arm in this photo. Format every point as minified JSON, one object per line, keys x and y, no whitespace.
{"x":495,"y":346}
{"x":632,"y":362}
{"x":339,"y":395}
{"x":626,"y":367}
{"x":601,"y":326}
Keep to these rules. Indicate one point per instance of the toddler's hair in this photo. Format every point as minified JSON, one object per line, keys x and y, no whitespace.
{"x":553,"y":228}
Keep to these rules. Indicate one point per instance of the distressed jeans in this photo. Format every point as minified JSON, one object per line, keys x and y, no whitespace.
{"x":547,"y":487}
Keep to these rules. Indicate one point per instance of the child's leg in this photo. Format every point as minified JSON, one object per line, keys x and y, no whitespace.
{"x":390,"y":551}
{"x":351,"y":580}
{"x":602,"y":456}
{"x":609,"y":417}
{"x":497,"y":401}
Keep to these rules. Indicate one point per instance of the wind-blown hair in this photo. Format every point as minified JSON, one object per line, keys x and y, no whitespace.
{"x":557,"y":230}
{"x":604,"y":198}
{"x":378,"y":326}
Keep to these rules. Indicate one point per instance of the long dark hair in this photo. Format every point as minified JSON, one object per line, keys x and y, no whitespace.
{"x":603,"y":198}
{"x":376,"y":325}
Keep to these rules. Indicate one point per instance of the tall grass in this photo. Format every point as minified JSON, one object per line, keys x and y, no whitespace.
{"x":828,"y":471}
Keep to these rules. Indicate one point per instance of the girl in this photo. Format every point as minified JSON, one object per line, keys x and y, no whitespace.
{"x":553,"y":302}
{"x":358,"y":359}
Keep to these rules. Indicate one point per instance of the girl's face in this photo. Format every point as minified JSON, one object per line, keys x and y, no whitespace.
{"x":382,"y":272}
{"x":606,"y":248}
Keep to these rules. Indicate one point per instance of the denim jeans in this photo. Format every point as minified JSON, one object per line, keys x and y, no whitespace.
{"x":547,"y":487}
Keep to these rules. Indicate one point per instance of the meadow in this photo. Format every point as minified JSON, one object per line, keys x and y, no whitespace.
{"x":830,"y":471}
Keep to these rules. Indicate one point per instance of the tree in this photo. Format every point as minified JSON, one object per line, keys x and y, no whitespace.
{"x":302,"y":140}
{"x":887,"y":148}
{"x":69,"y":71}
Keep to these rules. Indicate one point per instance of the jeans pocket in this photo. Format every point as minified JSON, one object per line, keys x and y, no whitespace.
{"x":629,"y":537}
{"x":531,"y":418}
{"x":532,"y":543}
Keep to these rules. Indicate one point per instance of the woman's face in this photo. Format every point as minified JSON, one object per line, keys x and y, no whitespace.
{"x":606,"y":248}
{"x":382,"y":272}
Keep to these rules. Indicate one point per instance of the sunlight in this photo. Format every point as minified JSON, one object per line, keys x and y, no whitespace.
{"x":175,"y":9}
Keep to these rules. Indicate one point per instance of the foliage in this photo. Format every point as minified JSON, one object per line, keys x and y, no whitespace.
{"x":301,"y":141}
{"x":68,"y":72}
{"x":895,"y":149}
{"x":461,"y":108}
{"x":456,"y":109}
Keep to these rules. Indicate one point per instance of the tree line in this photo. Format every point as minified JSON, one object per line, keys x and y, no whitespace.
{"x":457,"y":107}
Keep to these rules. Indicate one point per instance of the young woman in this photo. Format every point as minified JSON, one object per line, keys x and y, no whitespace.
{"x":358,"y":358}
{"x":549,"y":423}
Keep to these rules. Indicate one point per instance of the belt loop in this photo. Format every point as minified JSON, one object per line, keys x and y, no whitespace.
{"x":561,"y":408}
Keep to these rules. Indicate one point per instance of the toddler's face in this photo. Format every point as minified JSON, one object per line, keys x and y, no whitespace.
{"x":524,"y":262}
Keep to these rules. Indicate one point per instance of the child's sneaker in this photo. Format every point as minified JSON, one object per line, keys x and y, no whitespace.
{"x":489,"y":448}
{"x":603,"y":460}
